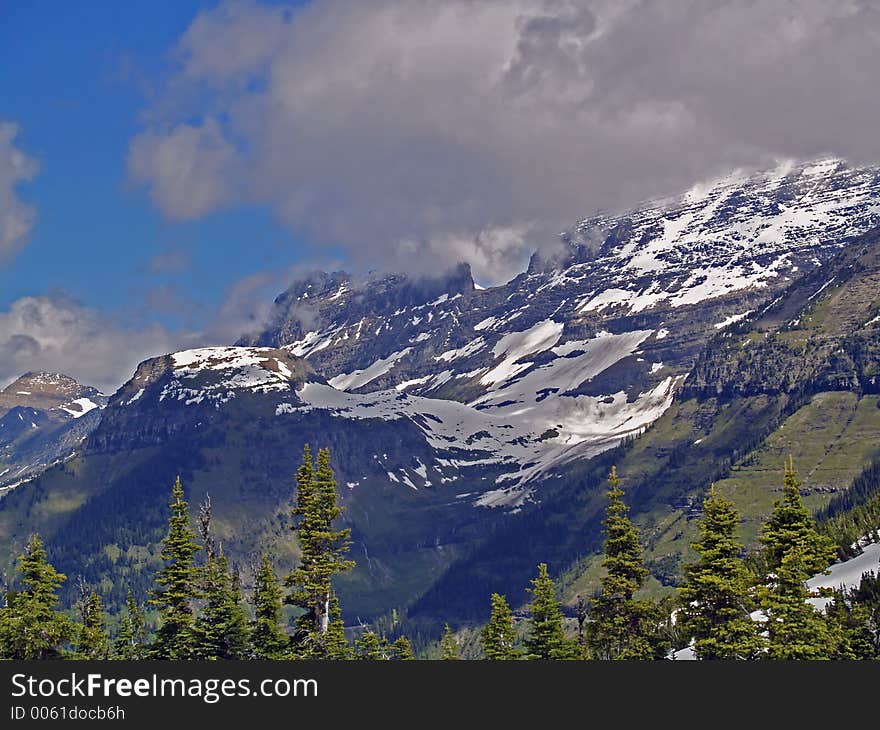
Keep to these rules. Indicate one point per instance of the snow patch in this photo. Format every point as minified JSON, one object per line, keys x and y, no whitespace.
{"x":359,"y":378}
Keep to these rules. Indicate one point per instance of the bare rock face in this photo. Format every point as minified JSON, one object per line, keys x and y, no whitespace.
{"x":43,"y":418}
{"x":55,"y":393}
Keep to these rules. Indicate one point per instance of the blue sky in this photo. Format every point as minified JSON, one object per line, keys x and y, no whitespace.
{"x":75,"y":78}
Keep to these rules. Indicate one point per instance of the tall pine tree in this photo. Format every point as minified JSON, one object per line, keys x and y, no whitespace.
{"x":402,"y":649}
{"x":546,"y":638}
{"x":795,"y":630}
{"x":268,"y":640}
{"x":371,"y":647}
{"x":323,"y":550}
{"x":176,"y":581}
{"x":793,"y":551}
{"x":622,"y":626}
{"x":92,"y":641}
{"x":222,"y":627}
{"x":30,"y":627}
{"x":335,"y":645}
{"x":131,"y":639}
{"x":791,"y":525}
{"x":498,"y":635}
{"x":716,"y":597}
{"x":449,"y":648}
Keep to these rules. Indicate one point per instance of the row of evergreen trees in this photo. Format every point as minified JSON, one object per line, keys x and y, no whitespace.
{"x":201,"y":607}
{"x":728,"y":607}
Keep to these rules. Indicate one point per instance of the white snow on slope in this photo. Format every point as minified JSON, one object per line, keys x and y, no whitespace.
{"x":516,"y":345}
{"x":469,"y":349}
{"x":84,"y":405}
{"x":528,"y":426}
{"x":848,"y":573}
{"x":732,"y":319}
{"x":254,"y":369}
{"x":353,"y":381}
{"x":565,"y":373}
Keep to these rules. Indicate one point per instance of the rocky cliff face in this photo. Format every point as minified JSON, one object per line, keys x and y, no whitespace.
{"x":43,"y":418}
{"x":590,"y":344}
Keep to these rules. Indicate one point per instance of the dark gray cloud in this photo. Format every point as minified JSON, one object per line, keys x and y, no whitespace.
{"x":16,"y":217}
{"x":416,"y":134}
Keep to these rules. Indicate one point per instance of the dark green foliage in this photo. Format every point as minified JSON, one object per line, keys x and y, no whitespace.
{"x":323,"y":549}
{"x":795,"y":630}
{"x":790,"y":525}
{"x":402,"y":649}
{"x":854,"y":514}
{"x":546,"y":638}
{"x":222,"y":627}
{"x":334,"y":645}
{"x":715,"y":598}
{"x":267,"y":638}
{"x":92,"y":641}
{"x":131,"y":639}
{"x":854,"y":626}
{"x":449,"y":648}
{"x":793,"y":551}
{"x":622,"y":627}
{"x":176,"y":584}
{"x":30,"y":627}
{"x":371,"y":647}
{"x":498,"y":636}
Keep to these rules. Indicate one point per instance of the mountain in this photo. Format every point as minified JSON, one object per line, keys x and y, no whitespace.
{"x":587,"y":346}
{"x":472,"y":429}
{"x":43,"y":417}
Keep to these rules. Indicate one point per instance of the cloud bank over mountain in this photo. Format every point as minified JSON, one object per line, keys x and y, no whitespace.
{"x":413,"y":135}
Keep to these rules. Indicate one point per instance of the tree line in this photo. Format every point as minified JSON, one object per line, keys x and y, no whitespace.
{"x":729,"y":606}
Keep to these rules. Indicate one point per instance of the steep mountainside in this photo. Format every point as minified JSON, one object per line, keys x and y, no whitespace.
{"x":581,"y":350}
{"x":472,"y":429}
{"x":43,"y":418}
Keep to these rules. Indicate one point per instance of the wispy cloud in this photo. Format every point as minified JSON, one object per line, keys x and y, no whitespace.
{"x":17,"y":218}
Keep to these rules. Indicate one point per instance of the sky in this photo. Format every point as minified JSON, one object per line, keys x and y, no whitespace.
{"x":166,"y":168}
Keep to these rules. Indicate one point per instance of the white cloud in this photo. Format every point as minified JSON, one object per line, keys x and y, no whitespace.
{"x":16,"y":217}
{"x":191,"y":169}
{"x":58,"y":334}
{"x":414,"y":133}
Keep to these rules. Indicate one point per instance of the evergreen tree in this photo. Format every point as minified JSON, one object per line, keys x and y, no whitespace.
{"x":621,"y":626}
{"x":371,"y":647}
{"x":92,"y":641}
{"x":30,"y":627}
{"x":323,"y":549}
{"x":792,"y":552}
{"x":449,"y":648}
{"x":268,"y":640}
{"x":795,"y":630}
{"x":177,"y":589}
{"x":335,"y":645}
{"x":131,"y":640}
{"x":402,"y":649}
{"x":790,"y":525}
{"x":546,"y":638}
{"x":222,"y":627}
{"x":715,"y":598}
{"x":498,"y":635}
